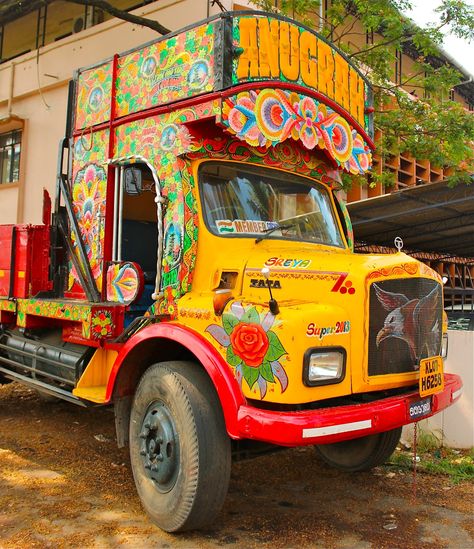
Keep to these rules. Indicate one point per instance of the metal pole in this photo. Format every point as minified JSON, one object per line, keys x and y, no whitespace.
{"x":120,"y":220}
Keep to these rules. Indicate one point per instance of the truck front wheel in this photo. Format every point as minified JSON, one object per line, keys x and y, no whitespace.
{"x":360,"y":454}
{"x":179,"y":447}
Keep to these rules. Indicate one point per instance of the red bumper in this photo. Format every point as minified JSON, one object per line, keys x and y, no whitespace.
{"x":335,"y":424}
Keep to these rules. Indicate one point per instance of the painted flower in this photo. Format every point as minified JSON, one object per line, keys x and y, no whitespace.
{"x":250,"y":343}
{"x":360,"y":159}
{"x":241,"y":118}
{"x":102,"y":324}
{"x":309,"y":132}
{"x":253,"y":350}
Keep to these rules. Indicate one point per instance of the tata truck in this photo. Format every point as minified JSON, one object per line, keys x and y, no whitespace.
{"x":195,"y":270}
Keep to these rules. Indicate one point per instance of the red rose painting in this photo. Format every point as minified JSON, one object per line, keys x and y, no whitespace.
{"x":252,"y":348}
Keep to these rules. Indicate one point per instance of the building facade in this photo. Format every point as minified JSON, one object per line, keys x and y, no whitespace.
{"x":34,"y":85}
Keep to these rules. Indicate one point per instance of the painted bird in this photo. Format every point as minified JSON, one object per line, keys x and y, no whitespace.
{"x":415,"y":321}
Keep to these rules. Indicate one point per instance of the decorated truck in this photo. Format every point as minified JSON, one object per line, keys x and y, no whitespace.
{"x":196,"y":268}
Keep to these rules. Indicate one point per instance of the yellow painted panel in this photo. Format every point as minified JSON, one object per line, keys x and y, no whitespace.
{"x":98,"y":370}
{"x":94,"y":394}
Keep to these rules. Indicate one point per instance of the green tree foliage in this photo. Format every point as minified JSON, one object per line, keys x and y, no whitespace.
{"x":413,"y":110}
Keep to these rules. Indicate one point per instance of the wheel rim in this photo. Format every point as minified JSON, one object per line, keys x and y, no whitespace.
{"x":159,"y":446}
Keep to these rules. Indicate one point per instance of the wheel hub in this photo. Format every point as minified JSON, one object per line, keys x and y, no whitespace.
{"x":159,"y":447}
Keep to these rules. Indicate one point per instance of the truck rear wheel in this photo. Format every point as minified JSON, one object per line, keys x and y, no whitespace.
{"x":179,"y":447}
{"x":360,"y":454}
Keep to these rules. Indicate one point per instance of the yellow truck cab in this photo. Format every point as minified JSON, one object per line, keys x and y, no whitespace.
{"x":196,"y":270}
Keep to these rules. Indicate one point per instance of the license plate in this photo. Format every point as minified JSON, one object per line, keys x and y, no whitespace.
{"x":431,"y":376}
{"x":419,"y":408}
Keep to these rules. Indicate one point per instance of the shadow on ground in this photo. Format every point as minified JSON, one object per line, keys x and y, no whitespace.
{"x":64,"y":483}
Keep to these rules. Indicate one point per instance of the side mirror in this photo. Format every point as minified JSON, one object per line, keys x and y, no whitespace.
{"x":132,"y":181}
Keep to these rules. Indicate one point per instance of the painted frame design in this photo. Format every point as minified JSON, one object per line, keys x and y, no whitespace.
{"x":88,"y":190}
{"x":286,"y":156}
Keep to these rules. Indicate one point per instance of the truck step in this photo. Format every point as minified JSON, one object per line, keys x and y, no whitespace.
{"x":44,"y":387}
{"x":93,"y":394}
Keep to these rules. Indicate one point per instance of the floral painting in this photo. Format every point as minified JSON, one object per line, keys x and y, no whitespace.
{"x":102,"y":324}
{"x":88,"y":194}
{"x":123,"y":282}
{"x":270,"y":116}
{"x":168,"y":70}
{"x":93,"y":96}
{"x":253,"y":349}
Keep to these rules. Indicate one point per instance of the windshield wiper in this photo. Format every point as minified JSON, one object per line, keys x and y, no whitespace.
{"x":268,"y":232}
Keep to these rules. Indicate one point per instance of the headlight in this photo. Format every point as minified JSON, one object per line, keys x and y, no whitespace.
{"x":323,"y":366}
{"x":444,"y":346}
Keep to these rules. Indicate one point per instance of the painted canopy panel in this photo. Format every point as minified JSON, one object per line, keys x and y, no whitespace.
{"x":270,"y":116}
{"x":93,"y":102}
{"x":166,"y":71}
{"x":266,"y":48}
{"x":226,"y":51}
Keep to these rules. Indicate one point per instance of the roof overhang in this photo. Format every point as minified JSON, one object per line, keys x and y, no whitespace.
{"x":430,"y":218}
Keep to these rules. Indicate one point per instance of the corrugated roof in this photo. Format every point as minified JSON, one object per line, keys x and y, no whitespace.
{"x":430,"y":218}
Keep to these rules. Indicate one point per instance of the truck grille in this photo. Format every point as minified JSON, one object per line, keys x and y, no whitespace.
{"x":405,"y":324}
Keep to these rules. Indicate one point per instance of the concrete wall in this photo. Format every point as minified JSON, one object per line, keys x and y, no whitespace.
{"x":455,"y":426}
{"x":33,"y":90}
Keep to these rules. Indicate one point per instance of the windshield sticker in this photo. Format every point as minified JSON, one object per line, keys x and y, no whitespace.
{"x":244,"y":227}
{"x":288,"y":263}
{"x":343,"y":327}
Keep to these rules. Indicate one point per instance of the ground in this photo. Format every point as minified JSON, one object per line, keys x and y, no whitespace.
{"x":64,"y":483}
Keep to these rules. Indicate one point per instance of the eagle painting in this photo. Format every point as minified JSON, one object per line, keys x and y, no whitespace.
{"x":414,"y":321}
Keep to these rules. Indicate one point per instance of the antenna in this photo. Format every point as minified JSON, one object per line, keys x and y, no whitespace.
{"x":273,"y":302}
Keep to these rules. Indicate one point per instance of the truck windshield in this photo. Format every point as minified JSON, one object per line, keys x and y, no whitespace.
{"x":244,"y":200}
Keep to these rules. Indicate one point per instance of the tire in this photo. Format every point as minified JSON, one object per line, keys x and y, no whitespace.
{"x":179,"y":447}
{"x":360,"y":454}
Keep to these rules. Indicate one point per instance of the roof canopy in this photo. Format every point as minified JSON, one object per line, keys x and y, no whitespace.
{"x":430,"y":218}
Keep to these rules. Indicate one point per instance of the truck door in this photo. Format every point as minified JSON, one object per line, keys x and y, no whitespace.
{"x":137,"y":227}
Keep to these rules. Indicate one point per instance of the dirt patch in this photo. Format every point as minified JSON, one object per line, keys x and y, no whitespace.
{"x":64,"y":483}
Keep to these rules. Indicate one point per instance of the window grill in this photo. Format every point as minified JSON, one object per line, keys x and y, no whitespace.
{"x":10,"y":148}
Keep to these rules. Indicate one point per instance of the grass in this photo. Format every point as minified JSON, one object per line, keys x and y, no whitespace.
{"x":436,"y":459}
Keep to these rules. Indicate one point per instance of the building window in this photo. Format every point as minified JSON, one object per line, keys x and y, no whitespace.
{"x":10,"y":148}
{"x":53,"y":21}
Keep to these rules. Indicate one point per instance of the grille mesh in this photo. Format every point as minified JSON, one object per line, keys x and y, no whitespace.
{"x":405,"y":324}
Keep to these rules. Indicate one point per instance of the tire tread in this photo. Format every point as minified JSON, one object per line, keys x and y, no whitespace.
{"x":204,"y":434}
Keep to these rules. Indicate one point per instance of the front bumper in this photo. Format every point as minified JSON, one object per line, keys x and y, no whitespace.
{"x":339,"y":423}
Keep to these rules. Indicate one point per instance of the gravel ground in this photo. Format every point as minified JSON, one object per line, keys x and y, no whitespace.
{"x":64,"y":483}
